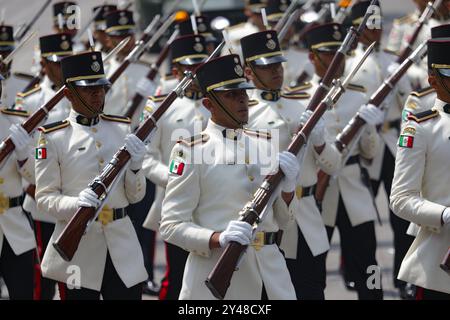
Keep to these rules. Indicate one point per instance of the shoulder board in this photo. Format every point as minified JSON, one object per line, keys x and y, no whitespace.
{"x":258,"y":134}
{"x":23,"y":75}
{"x":296,"y":95}
{"x":54,"y":126}
{"x":158,"y":98}
{"x":15,"y":112}
{"x":301,"y":87}
{"x":115,"y":118}
{"x":253,"y":102}
{"x":423,"y":116}
{"x":422,"y":92}
{"x":194,"y":140}
{"x":236,"y":26}
{"x":394,"y":53}
{"x":405,"y":19}
{"x":30,"y":92}
{"x":356,"y":87}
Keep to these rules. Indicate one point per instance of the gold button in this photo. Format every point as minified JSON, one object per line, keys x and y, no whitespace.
{"x":101,"y":161}
{"x":251,"y":178}
{"x":98,"y":144}
{"x":94,"y":130}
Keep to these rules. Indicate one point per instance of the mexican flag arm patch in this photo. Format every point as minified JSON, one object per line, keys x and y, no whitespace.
{"x":177,"y":166}
{"x":41,"y":153}
{"x":406,"y":141}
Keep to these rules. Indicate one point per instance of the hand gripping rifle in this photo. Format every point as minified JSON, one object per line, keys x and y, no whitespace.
{"x":219,"y":279}
{"x":426,"y":15}
{"x":7,"y":146}
{"x":138,"y":98}
{"x":353,"y":128}
{"x":68,"y":241}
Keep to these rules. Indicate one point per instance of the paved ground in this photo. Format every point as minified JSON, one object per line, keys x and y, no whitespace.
{"x":20,"y":10}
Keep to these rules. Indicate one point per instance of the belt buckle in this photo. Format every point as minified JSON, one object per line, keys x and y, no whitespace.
{"x":258,"y":242}
{"x":4,"y":203}
{"x":299,"y":192}
{"x":106,"y":215}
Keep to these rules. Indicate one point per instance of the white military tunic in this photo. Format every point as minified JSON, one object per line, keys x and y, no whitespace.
{"x":14,"y":225}
{"x":184,"y":118}
{"x":202,"y":198}
{"x":11,"y":86}
{"x":75,"y":155}
{"x":282,"y":118}
{"x":347,"y":183}
{"x":420,"y":195}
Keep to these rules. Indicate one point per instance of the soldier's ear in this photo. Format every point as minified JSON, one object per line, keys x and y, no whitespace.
{"x":248,"y":73}
{"x":432,"y":80}
{"x":311,"y":56}
{"x":68,"y":94}
{"x":207,"y":104}
{"x":175,"y":72}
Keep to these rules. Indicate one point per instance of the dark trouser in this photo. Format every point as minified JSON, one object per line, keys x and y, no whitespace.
{"x":402,"y":241}
{"x":44,"y":288}
{"x":138,"y":212}
{"x":173,"y":279}
{"x":112,"y":288}
{"x":426,"y":294}
{"x":358,"y":245}
{"x":17,"y":272}
{"x":308,"y":273}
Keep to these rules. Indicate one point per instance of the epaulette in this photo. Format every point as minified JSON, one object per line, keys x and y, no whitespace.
{"x":423,"y":116}
{"x":301,"y":87}
{"x":54,"y":126}
{"x":253,"y":102}
{"x":203,"y":137}
{"x":258,"y":134}
{"x":423,"y":92}
{"x":29,"y":92}
{"x":15,"y":112}
{"x":23,"y":75}
{"x":115,"y":118}
{"x":296,"y":95}
{"x":356,"y":87}
{"x":158,"y":98}
{"x":405,"y":19}
{"x":389,"y":51}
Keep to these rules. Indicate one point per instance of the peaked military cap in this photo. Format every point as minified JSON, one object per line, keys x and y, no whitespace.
{"x":6,"y":38}
{"x":203,"y":27}
{"x":60,"y":8}
{"x":100,"y":18}
{"x":222,"y":74}
{"x":439,"y":56}
{"x":262,"y":48}
{"x":120,"y":22}
{"x":442,"y":31}
{"x":275,"y":9}
{"x":188,"y":50}
{"x":54,"y":47}
{"x":326,"y":37}
{"x":84,"y":69}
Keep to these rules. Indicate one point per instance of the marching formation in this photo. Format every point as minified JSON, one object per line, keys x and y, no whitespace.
{"x":243,"y":147}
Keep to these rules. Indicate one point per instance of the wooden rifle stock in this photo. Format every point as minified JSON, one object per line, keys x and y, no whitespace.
{"x":445,"y":265}
{"x":67,"y":243}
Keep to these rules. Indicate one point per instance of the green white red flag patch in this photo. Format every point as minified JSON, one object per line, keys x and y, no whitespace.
{"x":176,"y":167}
{"x":41,"y":153}
{"x":406,"y":141}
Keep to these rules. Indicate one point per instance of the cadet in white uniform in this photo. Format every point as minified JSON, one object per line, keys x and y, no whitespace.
{"x":208,"y":186}
{"x":53,"y":48}
{"x":348,"y":203}
{"x":17,"y":239}
{"x":70,"y":154}
{"x":184,"y":118}
{"x":419,"y":187}
{"x":305,"y":243}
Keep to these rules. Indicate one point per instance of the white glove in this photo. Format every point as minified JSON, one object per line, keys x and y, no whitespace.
{"x":136,"y":149}
{"x":145,"y":87}
{"x":88,"y":198}
{"x":392,"y":67}
{"x":446,"y":216}
{"x":371,"y":114}
{"x":290,"y":166}
{"x":238,"y":231}
{"x":21,"y":140}
{"x":317,"y":136}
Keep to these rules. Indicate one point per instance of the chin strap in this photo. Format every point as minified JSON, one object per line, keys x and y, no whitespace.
{"x":83,"y":102}
{"x":226,"y":110}
{"x":265,"y":87}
